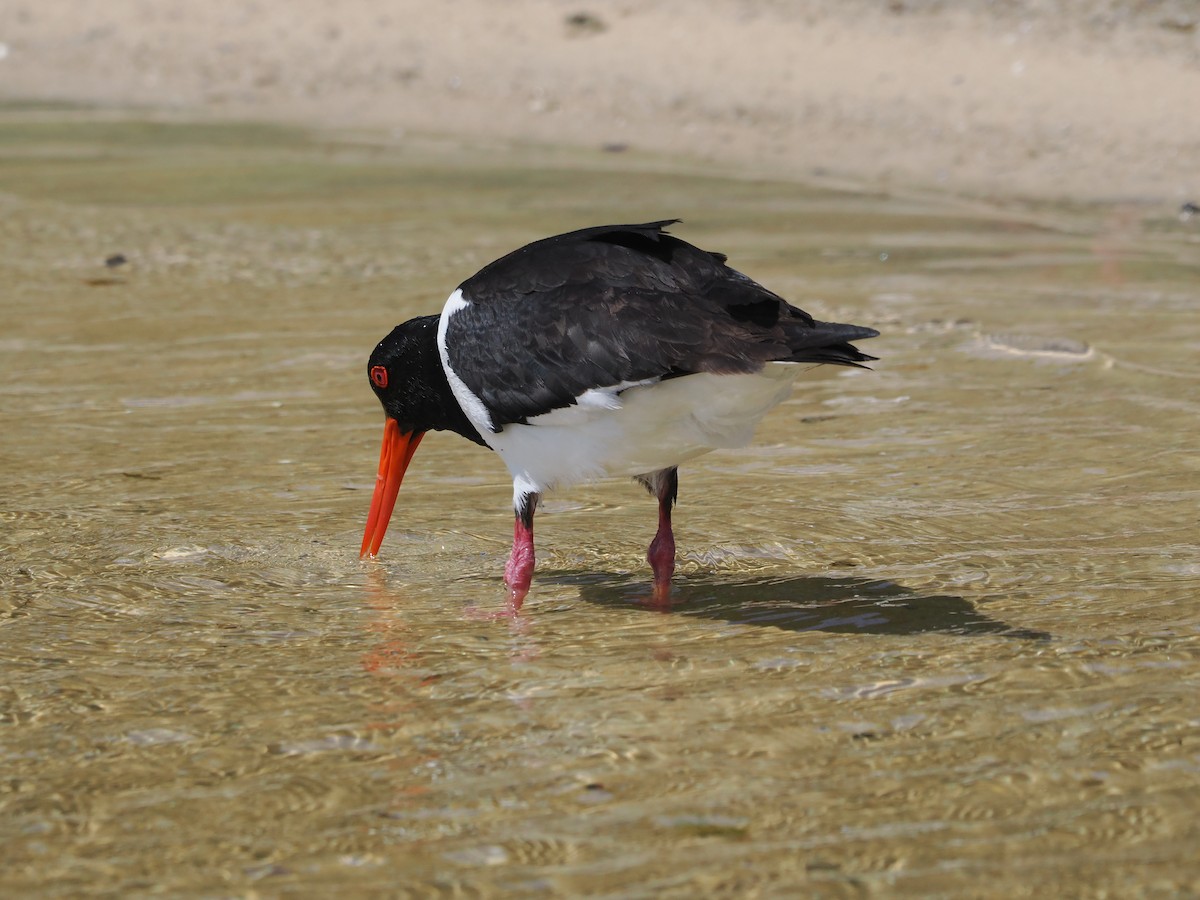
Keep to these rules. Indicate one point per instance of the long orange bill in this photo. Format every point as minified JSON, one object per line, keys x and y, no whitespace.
{"x":394,"y":457}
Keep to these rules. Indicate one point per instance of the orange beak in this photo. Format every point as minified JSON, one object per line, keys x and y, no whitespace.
{"x":394,"y":457}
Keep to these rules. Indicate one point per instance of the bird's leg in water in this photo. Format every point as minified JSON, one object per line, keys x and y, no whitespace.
{"x":518,"y":571}
{"x":661,"y":556}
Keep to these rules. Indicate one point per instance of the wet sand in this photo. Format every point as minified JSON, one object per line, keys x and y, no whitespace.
{"x":1041,"y":100}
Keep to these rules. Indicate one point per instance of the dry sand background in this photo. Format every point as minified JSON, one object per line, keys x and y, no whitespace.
{"x":1058,"y":98}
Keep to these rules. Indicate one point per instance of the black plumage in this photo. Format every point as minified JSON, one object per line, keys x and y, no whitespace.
{"x":617,"y":304}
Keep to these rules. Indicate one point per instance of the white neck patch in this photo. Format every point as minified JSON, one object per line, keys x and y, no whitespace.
{"x":471,"y":405}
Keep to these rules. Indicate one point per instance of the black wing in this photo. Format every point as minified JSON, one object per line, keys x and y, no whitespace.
{"x":621,"y":303}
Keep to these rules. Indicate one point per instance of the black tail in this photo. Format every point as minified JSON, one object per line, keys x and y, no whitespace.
{"x":829,"y":342}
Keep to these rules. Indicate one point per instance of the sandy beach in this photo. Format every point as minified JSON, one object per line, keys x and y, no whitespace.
{"x":1042,"y":100}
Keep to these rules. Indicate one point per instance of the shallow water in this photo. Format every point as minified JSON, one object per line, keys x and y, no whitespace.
{"x":936,"y":631}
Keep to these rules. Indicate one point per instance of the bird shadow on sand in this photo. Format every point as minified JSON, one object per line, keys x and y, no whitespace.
{"x":807,"y":603}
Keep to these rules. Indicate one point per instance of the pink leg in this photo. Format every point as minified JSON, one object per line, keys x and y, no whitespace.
{"x":661,"y":555}
{"x":518,"y":571}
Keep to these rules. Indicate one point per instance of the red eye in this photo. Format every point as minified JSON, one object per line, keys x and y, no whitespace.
{"x":379,"y":376}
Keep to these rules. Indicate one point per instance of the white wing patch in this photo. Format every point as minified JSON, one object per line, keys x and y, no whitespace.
{"x":609,"y":397}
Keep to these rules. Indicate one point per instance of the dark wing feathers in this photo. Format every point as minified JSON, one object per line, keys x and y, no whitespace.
{"x":621,"y":303}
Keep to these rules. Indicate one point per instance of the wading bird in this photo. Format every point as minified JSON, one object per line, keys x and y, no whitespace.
{"x":611,"y":351}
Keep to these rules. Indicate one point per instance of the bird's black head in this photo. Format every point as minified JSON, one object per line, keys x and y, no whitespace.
{"x":406,"y":375}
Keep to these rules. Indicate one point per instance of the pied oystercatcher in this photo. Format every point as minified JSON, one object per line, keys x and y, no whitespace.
{"x":616,"y":350}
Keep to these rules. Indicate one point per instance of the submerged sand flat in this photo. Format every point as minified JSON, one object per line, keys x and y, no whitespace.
{"x":1079,"y":99}
{"x":936,"y":631}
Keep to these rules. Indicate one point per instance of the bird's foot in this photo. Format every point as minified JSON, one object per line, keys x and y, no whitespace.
{"x":518,"y":575}
{"x":518,"y":571}
{"x":510,"y":612}
{"x":662,"y":560}
{"x":516,"y":596}
{"x":661,"y":598}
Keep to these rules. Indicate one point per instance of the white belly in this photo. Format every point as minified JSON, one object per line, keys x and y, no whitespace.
{"x":640,"y":430}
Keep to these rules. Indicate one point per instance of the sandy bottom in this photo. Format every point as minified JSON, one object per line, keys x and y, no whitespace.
{"x":935,"y":633}
{"x":1073,"y":99}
